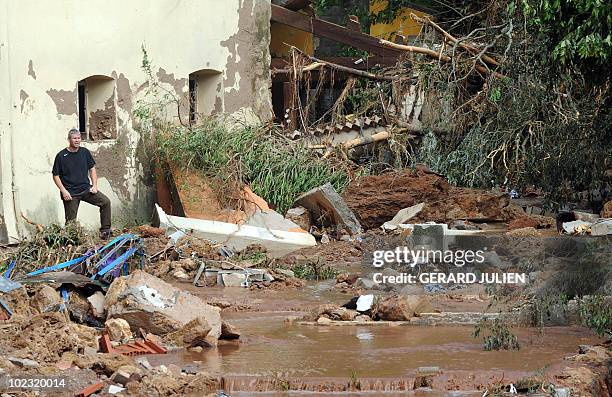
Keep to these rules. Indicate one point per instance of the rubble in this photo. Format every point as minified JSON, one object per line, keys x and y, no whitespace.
{"x":147,"y":302}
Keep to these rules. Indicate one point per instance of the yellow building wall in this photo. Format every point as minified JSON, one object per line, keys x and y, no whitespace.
{"x":402,"y":24}
{"x":282,"y":36}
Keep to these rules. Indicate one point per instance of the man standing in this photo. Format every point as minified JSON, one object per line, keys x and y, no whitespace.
{"x":72,"y":169}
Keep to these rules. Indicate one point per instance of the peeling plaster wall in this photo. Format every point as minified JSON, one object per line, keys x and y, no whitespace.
{"x":47,"y":47}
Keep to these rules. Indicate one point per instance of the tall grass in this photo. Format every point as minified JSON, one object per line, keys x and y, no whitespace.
{"x":275,"y":168}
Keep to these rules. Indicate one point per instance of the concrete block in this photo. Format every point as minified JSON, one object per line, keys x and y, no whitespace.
{"x":325,"y":203}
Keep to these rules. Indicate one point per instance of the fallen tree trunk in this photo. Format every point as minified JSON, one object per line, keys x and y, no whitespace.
{"x":454,"y":40}
{"x":435,"y":55}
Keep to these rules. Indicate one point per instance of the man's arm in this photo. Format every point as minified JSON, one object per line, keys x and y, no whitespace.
{"x":94,"y":180}
{"x":58,"y":182}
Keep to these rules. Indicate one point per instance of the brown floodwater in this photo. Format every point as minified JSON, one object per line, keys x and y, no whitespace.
{"x":383,"y":358}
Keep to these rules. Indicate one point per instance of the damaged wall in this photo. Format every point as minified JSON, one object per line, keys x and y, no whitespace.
{"x":47,"y":48}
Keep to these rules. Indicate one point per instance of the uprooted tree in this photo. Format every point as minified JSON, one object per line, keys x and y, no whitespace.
{"x":517,"y":91}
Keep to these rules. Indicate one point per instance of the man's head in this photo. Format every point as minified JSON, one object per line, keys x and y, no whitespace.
{"x":74,"y":138}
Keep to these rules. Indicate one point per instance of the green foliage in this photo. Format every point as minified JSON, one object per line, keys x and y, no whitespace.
{"x":499,"y":336}
{"x":576,"y":29}
{"x":596,"y":313}
{"x":314,"y":271}
{"x":274,"y":168}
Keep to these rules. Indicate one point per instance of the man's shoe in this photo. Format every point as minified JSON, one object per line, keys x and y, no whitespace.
{"x":105,"y":235}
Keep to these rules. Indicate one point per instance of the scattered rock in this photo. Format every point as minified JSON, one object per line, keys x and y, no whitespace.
{"x":228,"y":331}
{"x":323,"y":321}
{"x":402,"y":307}
{"x":97,"y":304}
{"x":126,"y":374}
{"x":606,"y":212}
{"x":181,"y":275}
{"x":47,"y":299}
{"x":118,"y":330}
{"x":194,"y":333}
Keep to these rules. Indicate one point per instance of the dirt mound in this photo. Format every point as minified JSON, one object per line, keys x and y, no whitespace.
{"x":376,"y":199}
{"x":44,"y":337}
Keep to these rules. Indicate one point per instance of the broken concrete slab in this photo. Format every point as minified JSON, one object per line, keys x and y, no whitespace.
{"x":403,"y":216}
{"x":325,"y":204}
{"x":234,"y":279}
{"x":150,"y":303}
{"x":237,"y":237}
{"x":270,"y":219}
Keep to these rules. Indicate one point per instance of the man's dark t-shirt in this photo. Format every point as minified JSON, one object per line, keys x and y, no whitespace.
{"x":73,"y":170}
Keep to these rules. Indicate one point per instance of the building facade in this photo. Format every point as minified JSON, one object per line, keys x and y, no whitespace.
{"x":70,"y":63}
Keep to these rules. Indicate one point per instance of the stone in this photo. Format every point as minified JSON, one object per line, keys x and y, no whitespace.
{"x":47,"y":299}
{"x":118,"y":330}
{"x":228,"y":331}
{"x":402,"y":307}
{"x":323,"y":321}
{"x":180,"y":274}
{"x":194,"y":333}
{"x":326,"y":206}
{"x":23,"y":362}
{"x":606,"y":212}
{"x":325,"y":239}
{"x":79,"y":307}
{"x":96,"y":302}
{"x":343,"y":314}
{"x":124,"y":374}
{"x":90,"y":351}
{"x":362,"y":318}
{"x":157,"y":307}
{"x":602,"y":227}
{"x":196,"y":349}
{"x":300,"y":216}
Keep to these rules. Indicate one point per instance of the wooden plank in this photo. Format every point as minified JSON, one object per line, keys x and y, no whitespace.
{"x":296,"y":5}
{"x":338,"y":33}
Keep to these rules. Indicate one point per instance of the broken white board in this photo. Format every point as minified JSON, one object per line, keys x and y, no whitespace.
{"x":277,"y":242}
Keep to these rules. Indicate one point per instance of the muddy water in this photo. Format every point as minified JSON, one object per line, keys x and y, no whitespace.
{"x":384,"y":358}
{"x":271,"y":347}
